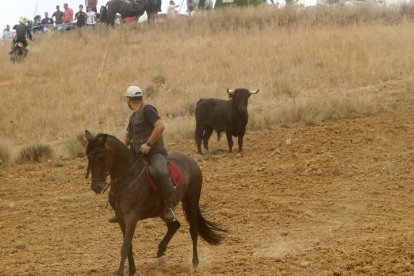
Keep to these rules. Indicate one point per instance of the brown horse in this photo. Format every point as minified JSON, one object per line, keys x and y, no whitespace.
{"x":132,"y":198}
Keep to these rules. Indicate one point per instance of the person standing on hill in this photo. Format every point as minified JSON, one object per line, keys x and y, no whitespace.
{"x":90,"y":17}
{"x":67,"y":14}
{"x":58,"y":15}
{"x":7,"y":33}
{"x":47,"y":22}
{"x":144,"y":136}
{"x":172,"y":9}
{"x":80,"y":17}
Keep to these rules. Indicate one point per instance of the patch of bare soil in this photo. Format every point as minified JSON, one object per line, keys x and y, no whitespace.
{"x":332,"y":199}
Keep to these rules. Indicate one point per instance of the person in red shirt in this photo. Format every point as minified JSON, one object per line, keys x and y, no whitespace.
{"x":67,"y":14}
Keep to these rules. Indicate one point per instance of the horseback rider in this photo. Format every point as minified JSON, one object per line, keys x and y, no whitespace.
{"x":144,"y":135}
{"x":22,"y":33}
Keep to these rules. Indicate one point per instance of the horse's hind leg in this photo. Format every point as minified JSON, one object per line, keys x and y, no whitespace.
{"x":172,"y":226}
{"x":191,"y":213}
{"x":194,"y":238}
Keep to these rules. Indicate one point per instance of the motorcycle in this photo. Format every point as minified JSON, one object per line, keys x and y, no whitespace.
{"x":18,"y":53}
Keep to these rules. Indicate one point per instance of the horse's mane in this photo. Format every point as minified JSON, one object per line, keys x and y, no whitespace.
{"x":109,"y":137}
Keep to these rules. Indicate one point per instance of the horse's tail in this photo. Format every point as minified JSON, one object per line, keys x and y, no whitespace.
{"x":208,"y":230}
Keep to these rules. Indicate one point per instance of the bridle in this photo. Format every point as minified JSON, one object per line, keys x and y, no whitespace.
{"x":91,"y":159}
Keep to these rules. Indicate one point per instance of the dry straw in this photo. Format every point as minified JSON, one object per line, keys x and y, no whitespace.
{"x":309,"y":65}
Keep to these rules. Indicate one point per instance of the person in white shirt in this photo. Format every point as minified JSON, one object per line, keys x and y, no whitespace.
{"x":90,"y":17}
{"x":172,"y":9}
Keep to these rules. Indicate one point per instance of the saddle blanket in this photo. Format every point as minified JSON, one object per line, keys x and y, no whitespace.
{"x":175,"y":174}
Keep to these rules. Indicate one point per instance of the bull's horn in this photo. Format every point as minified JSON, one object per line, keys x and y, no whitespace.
{"x":230,"y":92}
{"x":254,"y":92}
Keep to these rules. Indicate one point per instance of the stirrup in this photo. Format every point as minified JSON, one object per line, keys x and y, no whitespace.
{"x":167,"y":215}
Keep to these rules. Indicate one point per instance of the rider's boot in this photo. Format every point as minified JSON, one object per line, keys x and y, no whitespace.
{"x":169,"y":202}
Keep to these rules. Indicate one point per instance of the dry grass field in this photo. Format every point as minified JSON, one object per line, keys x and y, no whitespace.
{"x":306,"y":69}
{"x":324,"y":186}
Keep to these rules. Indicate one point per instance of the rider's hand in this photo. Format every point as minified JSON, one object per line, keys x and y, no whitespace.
{"x":145,"y":148}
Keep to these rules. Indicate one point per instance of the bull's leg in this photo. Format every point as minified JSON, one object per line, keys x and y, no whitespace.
{"x":128,"y":229}
{"x":172,"y":227}
{"x":207,"y":134}
{"x":198,"y":137}
{"x":229,"y":141}
{"x":240,"y":141}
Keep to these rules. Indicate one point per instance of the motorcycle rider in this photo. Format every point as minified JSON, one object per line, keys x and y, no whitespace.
{"x":22,"y":33}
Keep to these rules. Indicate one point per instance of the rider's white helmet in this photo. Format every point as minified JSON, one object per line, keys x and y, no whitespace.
{"x":133,"y":91}
{"x":22,"y":20}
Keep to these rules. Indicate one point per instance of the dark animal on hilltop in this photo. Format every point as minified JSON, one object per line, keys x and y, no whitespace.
{"x":133,"y":199}
{"x":223,"y":115}
{"x":131,"y":8}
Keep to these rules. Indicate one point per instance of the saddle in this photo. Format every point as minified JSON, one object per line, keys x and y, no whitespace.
{"x":175,"y":174}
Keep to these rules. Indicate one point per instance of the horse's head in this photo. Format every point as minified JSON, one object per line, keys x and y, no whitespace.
{"x":99,"y":161}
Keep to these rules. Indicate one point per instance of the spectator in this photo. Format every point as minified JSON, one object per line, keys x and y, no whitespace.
{"x":7,"y":33}
{"x":102,"y":16}
{"x":29,"y":24}
{"x":172,"y":9}
{"x":67,"y":14}
{"x":47,"y":22}
{"x":37,"y":27}
{"x":58,"y":15}
{"x":90,"y":17}
{"x":80,"y":17}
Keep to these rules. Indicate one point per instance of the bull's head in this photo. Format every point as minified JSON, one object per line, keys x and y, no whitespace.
{"x":240,"y":98}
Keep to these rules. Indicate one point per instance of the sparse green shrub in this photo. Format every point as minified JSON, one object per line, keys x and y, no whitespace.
{"x":76,"y":146}
{"x":35,"y":153}
{"x":20,"y":245}
{"x":151,"y":91}
{"x":281,"y":87}
{"x":4,"y":156}
{"x":159,"y":79}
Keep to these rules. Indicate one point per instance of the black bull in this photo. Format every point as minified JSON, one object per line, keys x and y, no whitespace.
{"x":223,"y":115}
{"x":131,"y":8}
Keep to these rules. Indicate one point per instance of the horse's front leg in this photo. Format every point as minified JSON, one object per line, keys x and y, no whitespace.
{"x":128,"y":225}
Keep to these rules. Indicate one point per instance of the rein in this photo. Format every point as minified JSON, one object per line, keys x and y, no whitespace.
{"x":91,"y":157}
{"x":119,"y":177}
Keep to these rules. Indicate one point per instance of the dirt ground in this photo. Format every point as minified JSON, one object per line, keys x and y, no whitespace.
{"x":331,"y":199}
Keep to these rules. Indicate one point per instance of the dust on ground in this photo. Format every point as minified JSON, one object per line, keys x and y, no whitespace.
{"x":331,"y":199}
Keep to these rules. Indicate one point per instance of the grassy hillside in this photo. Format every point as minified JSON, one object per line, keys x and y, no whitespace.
{"x":310,"y":66}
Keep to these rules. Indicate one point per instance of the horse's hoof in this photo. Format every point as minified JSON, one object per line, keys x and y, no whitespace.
{"x":195,"y":265}
{"x":162,"y":260}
